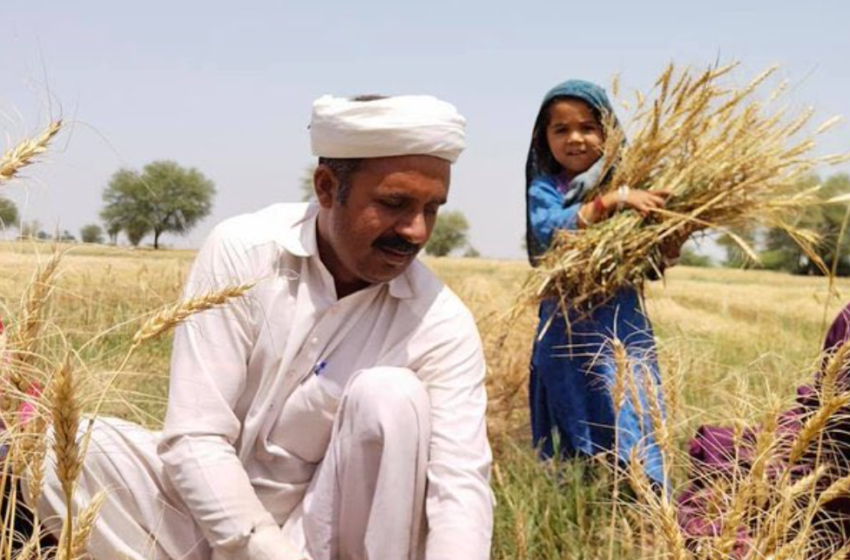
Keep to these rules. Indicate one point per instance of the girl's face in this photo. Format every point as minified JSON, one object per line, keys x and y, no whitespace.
{"x":574,"y":135}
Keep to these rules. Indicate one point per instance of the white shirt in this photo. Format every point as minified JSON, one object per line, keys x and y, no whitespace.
{"x":234,"y":367}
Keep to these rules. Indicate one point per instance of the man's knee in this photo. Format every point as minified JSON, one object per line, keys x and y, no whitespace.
{"x":388,"y":394}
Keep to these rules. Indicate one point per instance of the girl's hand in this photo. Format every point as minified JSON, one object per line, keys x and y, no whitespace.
{"x":603,"y":206}
{"x":645,"y":202}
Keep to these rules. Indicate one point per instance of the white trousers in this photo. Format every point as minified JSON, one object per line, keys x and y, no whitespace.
{"x":366,"y":499}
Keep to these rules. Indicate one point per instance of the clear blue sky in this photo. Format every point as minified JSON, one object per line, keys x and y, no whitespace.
{"x":227,"y":87}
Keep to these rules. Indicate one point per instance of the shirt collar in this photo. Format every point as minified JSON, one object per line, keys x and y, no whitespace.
{"x":300,"y":240}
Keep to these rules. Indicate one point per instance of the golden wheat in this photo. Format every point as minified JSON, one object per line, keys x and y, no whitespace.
{"x":172,"y":316}
{"x":84,"y":526}
{"x":65,"y":410}
{"x":23,"y":154}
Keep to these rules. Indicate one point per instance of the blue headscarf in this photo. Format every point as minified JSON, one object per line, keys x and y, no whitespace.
{"x":594,"y":96}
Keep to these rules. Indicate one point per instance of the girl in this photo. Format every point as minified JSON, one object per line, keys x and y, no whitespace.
{"x":571,"y":367}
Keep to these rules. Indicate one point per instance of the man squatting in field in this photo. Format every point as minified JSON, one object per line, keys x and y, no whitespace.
{"x":336,"y":411}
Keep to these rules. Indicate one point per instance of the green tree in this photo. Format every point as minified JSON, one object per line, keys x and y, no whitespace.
{"x":91,"y":233}
{"x":113,"y":230}
{"x":8,"y":213}
{"x":691,"y":257}
{"x":164,"y":197}
{"x":450,"y":233}
{"x":782,"y":252}
{"x":471,"y":252}
{"x":29,"y":230}
{"x":306,"y":183}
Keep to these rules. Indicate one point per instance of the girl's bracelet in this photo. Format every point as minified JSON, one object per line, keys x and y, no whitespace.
{"x":599,"y":209}
{"x":623,"y":195}
{"x":582,"y":221}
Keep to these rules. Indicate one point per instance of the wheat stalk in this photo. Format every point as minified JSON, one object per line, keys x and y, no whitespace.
{"x":665,"y":510}
{"x":622,"y":369}
{"x":814,"y":426}
{"x":172,"y":316}
{"x":166,"y":319}
{"x":69,"y":460}
{"x":24,"y":153}
{"x":835,"y":366}
{"x":36,"y":458}
{"x":839,"y":488}
{"x":31,"y":547}
{"x":27,"y":331}
{"x":86,"y":520}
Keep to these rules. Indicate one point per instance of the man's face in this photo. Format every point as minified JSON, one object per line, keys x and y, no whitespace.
{"x":385,"y":220}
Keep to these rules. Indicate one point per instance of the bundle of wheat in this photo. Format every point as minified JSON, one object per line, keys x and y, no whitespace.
{"x":728,"y":158}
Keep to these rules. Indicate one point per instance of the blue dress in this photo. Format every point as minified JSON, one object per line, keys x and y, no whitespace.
{"x":572,"y":368}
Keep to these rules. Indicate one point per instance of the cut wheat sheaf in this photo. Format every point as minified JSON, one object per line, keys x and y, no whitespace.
{"x":730,"y":159}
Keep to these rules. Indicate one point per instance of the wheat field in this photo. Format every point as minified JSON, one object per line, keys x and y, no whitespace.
{"x":729,"y":340}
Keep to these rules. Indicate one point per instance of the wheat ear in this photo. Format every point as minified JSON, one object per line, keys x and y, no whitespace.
{"x":174,"y":315}
{"x":667,"y":520}
{"x":23,"y":154}
{"x":84,"y":526}
{"x":66,"y":422}
{"x":814,"y":426}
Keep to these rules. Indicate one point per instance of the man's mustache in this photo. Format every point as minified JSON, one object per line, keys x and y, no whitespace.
{"x":397,"y":244}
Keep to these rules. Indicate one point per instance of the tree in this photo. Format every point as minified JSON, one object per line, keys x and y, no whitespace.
{"x":306,"y":183}
{"x":690,"y":257}
{"x":471,"y":252}
{"x":164,"y":197}
{"x":783,"y":253}
{"x":112,"y":230}
{"x":91,"y":233}
{"x":449,"y":233}
{"x":30,"y":230}
{"x":8,"y":213}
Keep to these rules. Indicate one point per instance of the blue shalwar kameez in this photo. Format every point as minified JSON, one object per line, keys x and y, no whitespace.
{"x":572,"y":370}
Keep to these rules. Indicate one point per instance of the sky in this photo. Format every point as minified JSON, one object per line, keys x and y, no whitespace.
{"x":227,"y":87}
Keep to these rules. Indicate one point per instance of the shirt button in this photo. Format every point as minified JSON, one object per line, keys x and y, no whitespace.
{"x":314,"y":341}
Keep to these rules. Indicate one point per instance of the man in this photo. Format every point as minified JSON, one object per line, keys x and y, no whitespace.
{"x":337,"y":411}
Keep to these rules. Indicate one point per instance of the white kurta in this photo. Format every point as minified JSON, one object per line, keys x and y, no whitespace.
{"x":229,"y":456}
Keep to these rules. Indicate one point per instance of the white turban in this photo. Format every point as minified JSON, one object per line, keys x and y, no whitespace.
{"x":393,"y":126}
